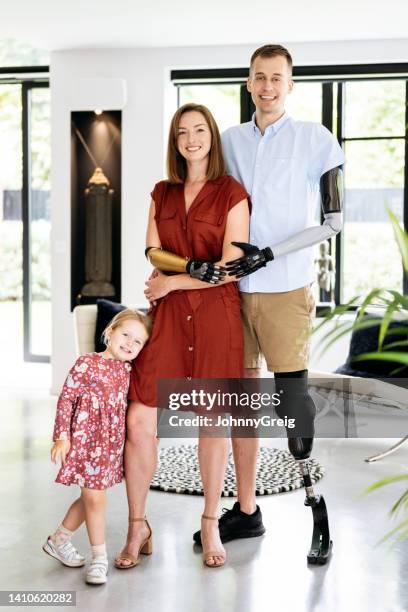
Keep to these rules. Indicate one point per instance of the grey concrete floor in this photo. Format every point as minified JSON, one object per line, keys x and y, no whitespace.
{"x":262,"y":574}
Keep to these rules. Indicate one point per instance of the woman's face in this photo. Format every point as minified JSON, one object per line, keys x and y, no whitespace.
{"x":194,"y":136}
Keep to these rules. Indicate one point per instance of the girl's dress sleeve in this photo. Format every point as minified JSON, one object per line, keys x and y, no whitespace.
{"x":75,"y":383}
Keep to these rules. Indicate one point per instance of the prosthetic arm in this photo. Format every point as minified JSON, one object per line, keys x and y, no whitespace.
{"x":331,"y":191}
{"x":170,"y":262}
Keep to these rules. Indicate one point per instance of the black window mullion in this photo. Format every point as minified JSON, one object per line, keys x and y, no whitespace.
{"x":26,"y":217}
{"x":327,"y":121}
{"x":338,"y":288}
{"x":247,"y":106}
{"x":405,"y":197}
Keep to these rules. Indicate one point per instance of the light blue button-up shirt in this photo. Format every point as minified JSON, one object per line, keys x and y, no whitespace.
{"x":281,"y":171}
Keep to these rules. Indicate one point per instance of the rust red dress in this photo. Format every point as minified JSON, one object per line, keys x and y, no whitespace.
{"x":196,"y":333}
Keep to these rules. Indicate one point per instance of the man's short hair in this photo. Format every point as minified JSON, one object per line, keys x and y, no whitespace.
{"x":271,"y":51}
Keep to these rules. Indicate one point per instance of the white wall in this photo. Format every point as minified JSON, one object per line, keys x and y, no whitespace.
{"x":151,"y":101}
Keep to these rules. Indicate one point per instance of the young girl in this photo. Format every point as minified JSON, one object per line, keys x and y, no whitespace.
{"x":89,"y":437}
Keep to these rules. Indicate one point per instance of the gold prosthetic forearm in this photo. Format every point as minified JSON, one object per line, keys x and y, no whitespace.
{"x":166,"y":261}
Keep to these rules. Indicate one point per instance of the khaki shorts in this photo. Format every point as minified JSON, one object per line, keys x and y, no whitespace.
{"x":278,"y":326}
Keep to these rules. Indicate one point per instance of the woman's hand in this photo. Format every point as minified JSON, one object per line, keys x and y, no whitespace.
{"x":157,"y":286}
{"x":60,"y":450}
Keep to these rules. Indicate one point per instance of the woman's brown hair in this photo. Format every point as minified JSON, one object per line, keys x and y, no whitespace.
{"x":176,"y":164}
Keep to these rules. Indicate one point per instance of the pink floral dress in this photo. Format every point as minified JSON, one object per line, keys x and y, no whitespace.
{"x":91,"y":413}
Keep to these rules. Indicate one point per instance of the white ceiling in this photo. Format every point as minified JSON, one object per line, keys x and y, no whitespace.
{"x":61,"y":24}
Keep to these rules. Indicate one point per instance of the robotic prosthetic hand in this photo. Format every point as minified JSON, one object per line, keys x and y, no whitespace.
{"x":331,"y":191}
{"x":170,"y":262}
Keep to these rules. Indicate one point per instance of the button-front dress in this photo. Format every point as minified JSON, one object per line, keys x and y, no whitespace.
{"x":197,"y":333}
{"x":91,"y":413}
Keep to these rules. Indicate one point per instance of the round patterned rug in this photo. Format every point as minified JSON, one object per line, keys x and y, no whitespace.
{"x":277,"y":472}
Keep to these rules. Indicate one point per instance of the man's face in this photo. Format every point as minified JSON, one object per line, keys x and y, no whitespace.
{"x":269,"y":83}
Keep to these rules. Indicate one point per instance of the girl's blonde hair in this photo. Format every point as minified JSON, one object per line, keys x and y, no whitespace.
{"x":128,"y":315}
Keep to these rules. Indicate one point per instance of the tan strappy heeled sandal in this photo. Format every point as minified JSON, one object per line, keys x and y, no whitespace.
{"x":145,"y":548}
{"x":213,"y":553}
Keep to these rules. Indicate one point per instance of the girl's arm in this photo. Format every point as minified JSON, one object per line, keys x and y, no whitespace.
{"x":237,"y":225}
{"x":75,"y":383}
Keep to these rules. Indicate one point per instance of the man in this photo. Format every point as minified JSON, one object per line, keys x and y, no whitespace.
{"x":283,"y":164}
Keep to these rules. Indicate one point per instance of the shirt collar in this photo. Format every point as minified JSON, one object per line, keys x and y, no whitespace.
{"x":274,"y":127}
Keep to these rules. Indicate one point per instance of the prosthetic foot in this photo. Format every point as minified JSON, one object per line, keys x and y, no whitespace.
{"x":321,"y":545}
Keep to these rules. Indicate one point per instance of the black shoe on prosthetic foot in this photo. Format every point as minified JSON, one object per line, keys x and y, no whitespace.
{"x":235,"y":524}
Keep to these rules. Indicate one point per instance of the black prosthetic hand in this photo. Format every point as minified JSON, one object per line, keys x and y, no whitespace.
{"x":253,"y":260}
{"x":205,"y":271}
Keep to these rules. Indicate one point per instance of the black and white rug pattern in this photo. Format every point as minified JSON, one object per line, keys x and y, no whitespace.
{"x":277,"y":472}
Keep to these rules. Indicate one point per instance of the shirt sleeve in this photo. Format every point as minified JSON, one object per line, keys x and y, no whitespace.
{"x":326,"y":152}
{"x":75,"y":384}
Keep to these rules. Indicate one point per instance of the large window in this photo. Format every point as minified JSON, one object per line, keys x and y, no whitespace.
{"x":25,"y":270}
{"x":366,"y":108}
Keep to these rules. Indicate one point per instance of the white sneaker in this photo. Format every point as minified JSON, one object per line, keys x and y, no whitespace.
{"x":97,"y":571}
{"x":66,"y":553}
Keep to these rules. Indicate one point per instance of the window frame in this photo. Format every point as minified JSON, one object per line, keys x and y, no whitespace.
{"x":327,"y":76}
{"x":29,"y":78}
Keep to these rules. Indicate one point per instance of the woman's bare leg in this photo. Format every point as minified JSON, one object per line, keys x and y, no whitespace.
{"x":140,"y":459}
{"x":245,"y":455}
{"x":213,"y":457}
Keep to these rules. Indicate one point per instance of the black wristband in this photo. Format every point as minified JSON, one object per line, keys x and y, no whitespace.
{"x":268,"y":253}
{"x":147,"y":249}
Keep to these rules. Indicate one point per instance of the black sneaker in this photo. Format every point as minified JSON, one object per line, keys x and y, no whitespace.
{"x":234,"y":524}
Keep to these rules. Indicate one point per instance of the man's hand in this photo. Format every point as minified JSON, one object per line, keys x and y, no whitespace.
{"x":206,"y":271}
{"x":60,"y":451}
{"x":253,"y":259}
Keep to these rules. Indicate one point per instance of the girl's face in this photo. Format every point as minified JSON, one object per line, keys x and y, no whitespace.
{"x":194,"y":136}
{"x":127,"y":340}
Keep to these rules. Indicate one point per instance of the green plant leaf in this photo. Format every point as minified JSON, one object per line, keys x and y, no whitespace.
{"x":403,"y":500}
{"x":385,"y":481}
{"x":401,"y":237}
{"x":385,"y":323}
{"x":393,"y":531}
{"x":383,"y":356}
{"x":396,"y":344}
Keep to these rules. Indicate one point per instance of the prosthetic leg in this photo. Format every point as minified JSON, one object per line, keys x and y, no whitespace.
{"x":297,"y":403}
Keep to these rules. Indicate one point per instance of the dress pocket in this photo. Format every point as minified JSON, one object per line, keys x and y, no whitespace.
{"x":213,"y":218}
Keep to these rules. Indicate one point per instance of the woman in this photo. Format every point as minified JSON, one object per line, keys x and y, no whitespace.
{"x":197,"y":330}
